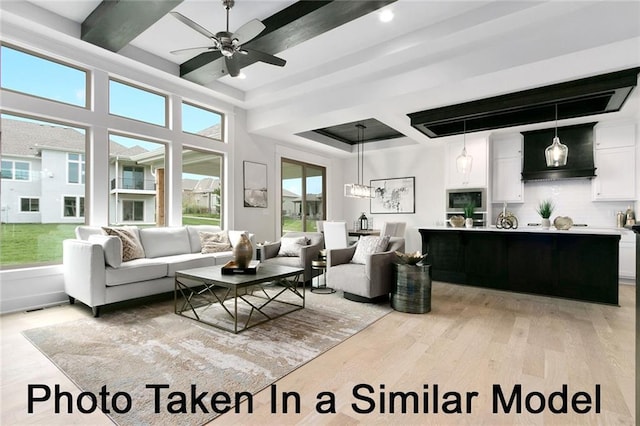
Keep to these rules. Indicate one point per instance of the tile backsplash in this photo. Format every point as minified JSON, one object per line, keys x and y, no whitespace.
{"x":571,"y":197}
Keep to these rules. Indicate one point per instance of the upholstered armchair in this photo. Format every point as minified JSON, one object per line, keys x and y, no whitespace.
{"x":295,"y":249}
{"x":363,"y":275}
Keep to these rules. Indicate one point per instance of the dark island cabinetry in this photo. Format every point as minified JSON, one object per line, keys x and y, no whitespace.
{"x":581,"y":266}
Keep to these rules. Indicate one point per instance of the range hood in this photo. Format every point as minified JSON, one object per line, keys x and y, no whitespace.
{"x":577,"y":98}
{"x":579,"y":140}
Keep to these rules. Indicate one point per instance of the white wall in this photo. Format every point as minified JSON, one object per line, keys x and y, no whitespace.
{"x":425,"y":162}
{"x":571,"y":197}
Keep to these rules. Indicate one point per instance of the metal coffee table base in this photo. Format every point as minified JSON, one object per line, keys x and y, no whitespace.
{"x":244,"y":305}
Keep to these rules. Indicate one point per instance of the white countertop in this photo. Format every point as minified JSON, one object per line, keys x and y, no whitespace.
{"x":537,"y":229}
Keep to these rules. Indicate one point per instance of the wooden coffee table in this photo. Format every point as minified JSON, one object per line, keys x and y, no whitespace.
{"x":223,"y":301}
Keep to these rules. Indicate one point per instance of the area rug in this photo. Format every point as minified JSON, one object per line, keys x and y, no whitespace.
{"x":127,"y":351}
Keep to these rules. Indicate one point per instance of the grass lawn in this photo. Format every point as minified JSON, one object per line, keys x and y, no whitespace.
{"x":33,"y":243}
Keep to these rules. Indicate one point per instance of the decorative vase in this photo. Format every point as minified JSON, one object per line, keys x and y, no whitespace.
{"x":456,"y":221}
{"x":243,"y":251}
{"x":545,"y":223}
{"x":468,"y":222}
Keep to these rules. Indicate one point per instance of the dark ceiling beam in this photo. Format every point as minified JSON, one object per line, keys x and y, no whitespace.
{"x":291,"y":26}
{"x":114,"y":23}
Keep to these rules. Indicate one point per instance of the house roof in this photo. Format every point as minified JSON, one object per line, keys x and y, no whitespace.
{"x":27,"y":139}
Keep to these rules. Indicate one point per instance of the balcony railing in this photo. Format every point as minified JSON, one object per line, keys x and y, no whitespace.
{"x":133,"y":184}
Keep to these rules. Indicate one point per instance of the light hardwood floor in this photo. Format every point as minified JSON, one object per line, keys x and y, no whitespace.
{"x":472,"y":340}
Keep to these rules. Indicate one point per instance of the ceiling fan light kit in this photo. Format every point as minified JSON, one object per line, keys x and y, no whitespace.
{"x":229,"y":44}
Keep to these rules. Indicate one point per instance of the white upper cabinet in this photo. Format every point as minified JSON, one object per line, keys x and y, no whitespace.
{"x":477,"y":148}
{"x":615,"y":161}
{"x":506,"y":178}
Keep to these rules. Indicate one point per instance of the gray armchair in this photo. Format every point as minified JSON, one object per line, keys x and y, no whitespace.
{"x":269,"y":253}
{"x":366,"y":282}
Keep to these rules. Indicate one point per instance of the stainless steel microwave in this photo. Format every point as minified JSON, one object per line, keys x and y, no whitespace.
{"x":458,"y":198}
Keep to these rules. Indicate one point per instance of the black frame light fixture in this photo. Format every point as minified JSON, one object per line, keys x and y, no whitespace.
{"x":557,"y":153}
{"x":359,"y":189}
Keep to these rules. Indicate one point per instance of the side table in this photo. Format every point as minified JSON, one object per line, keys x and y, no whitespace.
{"x":321,"y":288}
{"x":411,"y":291}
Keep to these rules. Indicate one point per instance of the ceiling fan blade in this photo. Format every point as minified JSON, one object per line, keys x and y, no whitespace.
{"x":191,"y":50}
{"x":232,"y":65}
{"x":249,"y":31}
{"x":265,"y":57}
{"x":197,"y":27}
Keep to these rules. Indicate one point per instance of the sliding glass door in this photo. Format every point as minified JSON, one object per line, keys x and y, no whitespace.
{"x":303,"y":195}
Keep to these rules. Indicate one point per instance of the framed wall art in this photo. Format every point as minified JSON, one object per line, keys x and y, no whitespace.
{"x":255,"y":184}
{"x":396,"y":195}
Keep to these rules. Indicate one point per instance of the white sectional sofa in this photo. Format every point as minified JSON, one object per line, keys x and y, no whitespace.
{"x":95,"y":274}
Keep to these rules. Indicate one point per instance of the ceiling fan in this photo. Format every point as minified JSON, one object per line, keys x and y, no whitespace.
{"x":230,"y":44}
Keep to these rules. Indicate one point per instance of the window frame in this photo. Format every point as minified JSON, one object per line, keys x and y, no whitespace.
{"x":79,"y":206}
{"x":87,"y":73}
{"x":223,"y":120}
{"x":82,"y":159}
{"x":31,"y":199}
{"x":133,"y":210}
{"x":13,"y":170}
{"x":144,"y":89}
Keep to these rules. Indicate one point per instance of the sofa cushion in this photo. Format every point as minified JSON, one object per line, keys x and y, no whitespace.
{"x":136,"y":270}
{"x":112,"y":247}
{"x":131,"y":246}
{"x":194,"y":237}
{"x":164,"y":241}
{"x":180,"y":262}
{"x":294,"y":262}
{"x":292,"y":246}
{"x":369,"y":245}
{"x":214,"y":242}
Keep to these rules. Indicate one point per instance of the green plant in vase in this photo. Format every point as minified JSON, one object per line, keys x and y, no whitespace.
{"x":469,"y":210}
{"x":545,"y":209}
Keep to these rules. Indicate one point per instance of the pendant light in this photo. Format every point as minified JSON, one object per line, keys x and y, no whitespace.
{"x":464,"y":160}
{"x":556,"y":154}
{"x":359,"y":189}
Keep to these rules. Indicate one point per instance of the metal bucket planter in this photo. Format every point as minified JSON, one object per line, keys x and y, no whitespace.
{"x":411,"y":291}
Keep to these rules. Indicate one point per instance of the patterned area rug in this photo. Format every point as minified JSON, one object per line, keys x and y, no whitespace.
{"x":130,"y":349}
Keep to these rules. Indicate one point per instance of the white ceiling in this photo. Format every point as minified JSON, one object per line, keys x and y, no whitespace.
{"x":434,"y":53}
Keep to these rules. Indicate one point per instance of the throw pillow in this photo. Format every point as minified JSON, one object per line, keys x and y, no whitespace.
{"x":131,"y":246}
{"x":112,"y":247}
{"x":369,"y":245}
{"x":214,"y":242}
{"x":292,"y":246}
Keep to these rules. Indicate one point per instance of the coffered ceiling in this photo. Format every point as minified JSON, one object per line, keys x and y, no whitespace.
{"x":432,"y":54}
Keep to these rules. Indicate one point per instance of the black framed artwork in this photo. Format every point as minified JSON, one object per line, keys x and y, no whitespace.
{"x":255,"y":184}
{"x":394,"y":195}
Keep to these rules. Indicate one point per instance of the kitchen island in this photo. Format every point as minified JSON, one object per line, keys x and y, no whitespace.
{"x":578,"y":263}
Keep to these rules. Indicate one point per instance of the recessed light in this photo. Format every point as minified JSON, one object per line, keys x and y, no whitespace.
{"x":386,"y":15}
{"x":242,"y":76}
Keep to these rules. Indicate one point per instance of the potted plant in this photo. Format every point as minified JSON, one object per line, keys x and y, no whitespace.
{"x":469,"y":210}
{"x":545,"y":208}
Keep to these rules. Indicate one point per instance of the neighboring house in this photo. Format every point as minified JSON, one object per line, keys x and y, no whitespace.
{"x":288,"y":203}
{"x":43,"y":177}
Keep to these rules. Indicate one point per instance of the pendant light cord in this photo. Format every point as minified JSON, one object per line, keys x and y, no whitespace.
{"x":556,"y":120}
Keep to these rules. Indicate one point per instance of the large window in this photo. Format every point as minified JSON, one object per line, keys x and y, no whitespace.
{"x":75,"y":168}
{"x":29,"y":205}
{"x":201,"y":188}
{"x":42,"y":196}
{"x":201,"y":121}
{"x":303,"y":195}
{"x":33,"y":75}
{"x":139,"y":104}
{"x":136,"y":174}
{"x":73,"y":206}
{"x":16,"y":170}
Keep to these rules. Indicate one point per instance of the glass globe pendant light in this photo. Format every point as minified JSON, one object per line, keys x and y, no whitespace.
{"x":464,"y":160}
{"x":556,"y":154}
